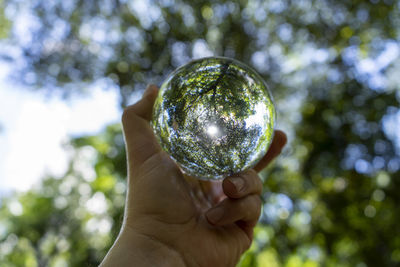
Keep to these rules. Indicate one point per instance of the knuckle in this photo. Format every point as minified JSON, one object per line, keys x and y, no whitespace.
{"x":247,"y":245}
{"x":129,"y":114}
{"x":256,"y":206}
{"x":243,"y":206}
{"x":248,"y":214}
{"x":253,"y":180}
{"x":252,"y":172}
{"x":126,"y":114}
{"x":251,"y":175}
{"x":256,"y":201}
{"x":258,"y":185}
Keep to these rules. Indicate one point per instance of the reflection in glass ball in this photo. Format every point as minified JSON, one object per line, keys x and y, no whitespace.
{"x":215,"y":117}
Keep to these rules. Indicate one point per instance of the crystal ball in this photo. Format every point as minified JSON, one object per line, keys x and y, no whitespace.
{"x":215,"y":117}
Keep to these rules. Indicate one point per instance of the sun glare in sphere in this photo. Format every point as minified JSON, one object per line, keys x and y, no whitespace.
{"x":212,"y":130}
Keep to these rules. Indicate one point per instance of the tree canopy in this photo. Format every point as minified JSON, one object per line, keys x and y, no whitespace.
{"x":333,"y":68}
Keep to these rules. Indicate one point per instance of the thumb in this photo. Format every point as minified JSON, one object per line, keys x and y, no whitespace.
{"x":141,"y":143}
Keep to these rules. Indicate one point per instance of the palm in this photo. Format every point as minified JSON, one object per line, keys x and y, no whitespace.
{"x":213,"y":244}
{"x":177,"y":206}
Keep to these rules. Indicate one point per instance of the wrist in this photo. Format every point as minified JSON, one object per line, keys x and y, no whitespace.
{"x":135,"y":249}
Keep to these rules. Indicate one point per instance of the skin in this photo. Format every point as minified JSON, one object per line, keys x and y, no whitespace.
{"x":175,"y":220}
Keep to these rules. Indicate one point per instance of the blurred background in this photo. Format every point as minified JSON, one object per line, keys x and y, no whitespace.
{"x":67,"y":68}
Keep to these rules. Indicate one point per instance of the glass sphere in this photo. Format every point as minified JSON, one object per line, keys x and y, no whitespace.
{"x":215,"y":117}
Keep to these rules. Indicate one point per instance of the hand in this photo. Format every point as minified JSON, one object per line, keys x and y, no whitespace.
{"x":175,"y":220}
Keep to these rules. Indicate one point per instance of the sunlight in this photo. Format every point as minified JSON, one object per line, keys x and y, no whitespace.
{"x":212,"y":130}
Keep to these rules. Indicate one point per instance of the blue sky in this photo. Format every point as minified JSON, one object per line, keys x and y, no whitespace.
{"x":34,"y":129}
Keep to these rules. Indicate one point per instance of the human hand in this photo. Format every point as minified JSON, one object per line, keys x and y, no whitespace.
{"x":175,"y":220}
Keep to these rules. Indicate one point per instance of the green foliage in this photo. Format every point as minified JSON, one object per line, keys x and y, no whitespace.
{"x":4,"y":22}
{"x":70,"y":220}
{"x":330,"y":200}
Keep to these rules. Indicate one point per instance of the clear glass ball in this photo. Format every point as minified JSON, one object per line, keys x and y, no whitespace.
{"x":215,"y":117}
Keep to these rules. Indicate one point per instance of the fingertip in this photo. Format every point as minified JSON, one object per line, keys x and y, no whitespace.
{"x":229,"y":187}
{"x":151,"y":91}
{"x":242,"y":184}
{"x":281,"y":137}
{"x":144,"y":107}
{"x":214,"y":215}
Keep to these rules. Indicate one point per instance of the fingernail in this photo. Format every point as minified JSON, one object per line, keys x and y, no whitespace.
{"x":238,"y":182}
{"x":215,"y":214}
